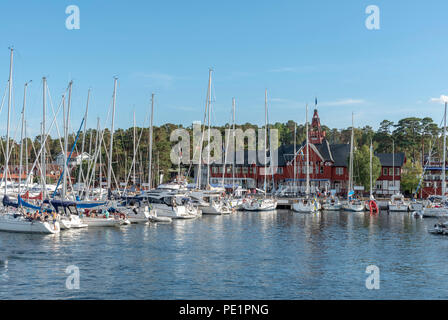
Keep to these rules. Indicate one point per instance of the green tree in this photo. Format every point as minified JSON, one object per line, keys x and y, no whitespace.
{"x":410,"y":177}
{"x":361,"y":164}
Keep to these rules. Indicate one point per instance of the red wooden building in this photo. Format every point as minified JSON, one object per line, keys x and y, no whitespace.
{"x":327,"y":167}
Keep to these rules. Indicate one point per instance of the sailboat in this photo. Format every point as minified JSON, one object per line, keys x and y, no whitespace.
{"x":13,"y":217}
{"x":332,"y":204}
{"x":352,"y":204}
{"x":438,"y":207}
{"x":99,"y":217}
{"x":371,"y":205}
{"x":265,"y":203}
{"x":306,"y":205}
{"x":397,"y":202}
{"x":208,"y":201}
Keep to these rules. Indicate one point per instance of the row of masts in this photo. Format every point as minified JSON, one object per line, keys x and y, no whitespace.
{"x":66,"y":122}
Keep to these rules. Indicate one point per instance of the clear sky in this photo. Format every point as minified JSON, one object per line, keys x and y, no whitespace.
{"x":295,"y":49}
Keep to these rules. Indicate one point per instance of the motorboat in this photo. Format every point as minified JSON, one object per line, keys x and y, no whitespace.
{"x":397,"y":203}
{"x":210,"y":202}
{"x":134,"y":209}
{"x":440,"y":228}
{"x":170,"y":204}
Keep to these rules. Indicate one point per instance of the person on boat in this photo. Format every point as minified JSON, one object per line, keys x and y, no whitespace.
{"x":106,"y":214}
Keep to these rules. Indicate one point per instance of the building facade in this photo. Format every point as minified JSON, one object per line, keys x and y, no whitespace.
{"x":328,"y":167}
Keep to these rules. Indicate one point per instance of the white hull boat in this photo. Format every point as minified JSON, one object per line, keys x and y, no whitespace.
{"x":177,"y":212}
{"x":353,"y":206}
{"x":260,"y":205}
{"x":137,"y":215}
{"x":101,"y":222}
{"x":332,"y":205}
{"x":215,"y":208}
{"x":155,"y":218}
{"x":72,"y":222}
{"x":434,"y":212}
{"x":398,"y":207}
{"x":305,"y":206}
{"x":398,"y":204}
{"x":18,"y":223}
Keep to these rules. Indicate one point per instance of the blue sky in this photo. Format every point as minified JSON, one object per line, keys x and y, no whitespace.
{"x":295,"y":49}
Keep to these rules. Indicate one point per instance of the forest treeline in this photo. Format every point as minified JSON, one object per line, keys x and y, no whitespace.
{"x":414,"y":136}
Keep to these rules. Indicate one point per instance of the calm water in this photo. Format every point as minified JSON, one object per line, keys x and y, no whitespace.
{"x":278,"y":255}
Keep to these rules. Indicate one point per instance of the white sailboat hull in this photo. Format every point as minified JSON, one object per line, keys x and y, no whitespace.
{"x":331,"y":207}
{"x":353,"y":207}
{"x":178,"y":212}
{"x":438,"y":212}
{"x":260,"y":205}
{"x":101,"y":222}
{"x":215,"y":209}
{"x":301,"y":207}
{"x":72,"y":222}
{"x":11,"y":224}
{"x":399,"y":207}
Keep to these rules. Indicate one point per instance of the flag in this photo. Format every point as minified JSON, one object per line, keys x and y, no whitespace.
{"x":315,"y":101}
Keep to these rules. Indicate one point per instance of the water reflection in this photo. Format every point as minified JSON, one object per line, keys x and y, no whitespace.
{"x":246,"y":255}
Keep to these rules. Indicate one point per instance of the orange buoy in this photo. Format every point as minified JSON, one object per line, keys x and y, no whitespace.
{"x":373,"y":207}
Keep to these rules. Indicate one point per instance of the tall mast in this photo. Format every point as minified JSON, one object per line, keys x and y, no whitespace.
{"x":150,"y":143}
{"x":307,"y":190}
{"x":26,"y":156}
{"x":43,"y":141}
{"x":209,"y":129}
{"x":233,"y":143}
{"x":295,"y":170}
{"x":350,"y":172}
{"x":64,"y":157}
{"x":202,"y":131}
{"x":21,"y":137}
{"x":265,"y":136}
{"x":69,"y":105}
{"x":444,"y":154}
{"x":99,"y":145}
{"x":393,"y":165}
{"x":134,"y":162}
{"x":109,"y":170}
{"x":371,"y":151}
{"x":84,"y":136}
{"x":5,"y":172}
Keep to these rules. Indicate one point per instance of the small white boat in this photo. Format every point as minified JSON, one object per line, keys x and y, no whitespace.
{"x":353,"y":206}
{"x":136,"y":214}
{"x":398,"y":203}
{"x":101,"y":222}
{"x":17,"y":222}
{"x":416,"y":206}
{"x":332,"y":204}
{"x":305,"y":206}
{"x":434,"y":212}
{"x":434,"y":207}
{"x":153,"y":217}
{"x":210,"y":202}
{"x":262,"y":204}
{"x":440,"y":228}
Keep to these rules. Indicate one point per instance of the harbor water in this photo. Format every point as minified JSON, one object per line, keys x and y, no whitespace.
{"x":247,"y":255}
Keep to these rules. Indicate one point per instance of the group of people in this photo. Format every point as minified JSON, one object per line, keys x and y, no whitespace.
{"x":95,"y":213}
{"x":40,"y":215}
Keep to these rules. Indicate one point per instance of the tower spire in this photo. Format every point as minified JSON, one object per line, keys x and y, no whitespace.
{"x":316,"y":134}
